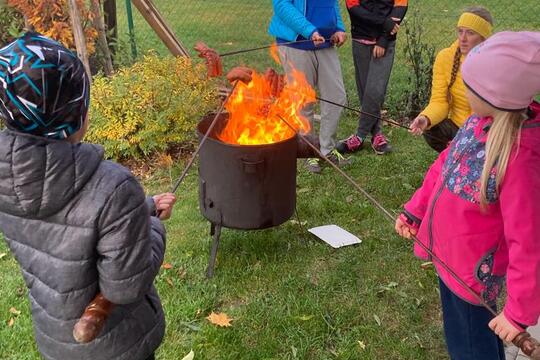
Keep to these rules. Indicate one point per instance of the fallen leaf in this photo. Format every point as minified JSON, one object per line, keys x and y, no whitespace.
{"x":294,"y":351}
{"x":305,"y":317}
{"x":219,"y":319}
{"x":169,"y":281}
{"x":14,"y":311}
{"x":166,"y":266}
{"x":426,"y":265}
{"x":349,"y":199}
{"x":189,"y":356}
{"x":303,"y":223}
{"x":362,"y":345}
{"x":2,"y":255}
{"x":182,"y":273}
{"x":377,"y":319}
{"x":302,"y":190}
{"x":11,"y":322}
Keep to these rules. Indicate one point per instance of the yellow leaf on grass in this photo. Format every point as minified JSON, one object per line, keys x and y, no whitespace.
{"x":170,"y":282}
{"x":2,"y":255}
{"x":219,"y":319}
{"x":166,"y":266}
{"x":14,"y":311}
{"x":11,"y":322}
{"x":362,"y":345}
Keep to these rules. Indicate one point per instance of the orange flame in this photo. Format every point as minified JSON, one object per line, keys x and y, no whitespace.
{"x":274,"y":52}
{"x":254,"y":112}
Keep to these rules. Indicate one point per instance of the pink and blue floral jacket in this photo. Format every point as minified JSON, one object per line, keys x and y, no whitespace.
{"x":484,"y":245}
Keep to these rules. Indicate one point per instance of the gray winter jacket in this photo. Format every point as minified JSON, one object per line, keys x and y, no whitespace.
{"x":78,"y":224}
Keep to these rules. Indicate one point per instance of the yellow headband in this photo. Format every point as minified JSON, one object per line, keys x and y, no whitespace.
{"x":475,"y":23}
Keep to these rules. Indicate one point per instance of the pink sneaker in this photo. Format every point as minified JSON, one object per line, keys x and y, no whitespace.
{"x":380,"y":144}
{"x":351,"y":144}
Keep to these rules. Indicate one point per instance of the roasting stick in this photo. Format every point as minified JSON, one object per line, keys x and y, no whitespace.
{"x":358,"y":111}
{"x":529,"y":345}
{"x":203,"y":140}
{"x":96,"y":313}
{"x":395,"y":123}
{"x":266,"y":47}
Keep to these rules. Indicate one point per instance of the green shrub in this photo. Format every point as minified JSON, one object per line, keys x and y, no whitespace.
{"x":146,"y":108}
{"x":419,"y":56}
{"x":11,"y":23}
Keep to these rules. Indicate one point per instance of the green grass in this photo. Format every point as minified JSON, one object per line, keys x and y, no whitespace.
{"x":290,"y":295}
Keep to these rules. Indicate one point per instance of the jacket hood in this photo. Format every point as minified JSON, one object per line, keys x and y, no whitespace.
{"x":40,"y":176}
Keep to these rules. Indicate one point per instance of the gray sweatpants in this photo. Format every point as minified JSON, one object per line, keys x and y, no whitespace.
{"x":323,"y":72}
{"x":372,"y":77}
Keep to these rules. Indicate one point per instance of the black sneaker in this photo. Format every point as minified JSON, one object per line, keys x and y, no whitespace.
{"x":380,"y":144}
{"x":313,"y":166}
{"x":352,"y":144}
{"x":337,"y":158}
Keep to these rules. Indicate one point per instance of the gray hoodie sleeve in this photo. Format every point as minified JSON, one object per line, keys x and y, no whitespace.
{"x":131,"y":245}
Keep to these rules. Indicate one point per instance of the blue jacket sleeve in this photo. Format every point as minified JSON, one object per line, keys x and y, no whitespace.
{"x":340,"y":24}
{"x":293,"y":18}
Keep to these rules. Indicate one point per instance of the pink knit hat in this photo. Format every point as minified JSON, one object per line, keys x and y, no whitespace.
{"x":504,"y":70}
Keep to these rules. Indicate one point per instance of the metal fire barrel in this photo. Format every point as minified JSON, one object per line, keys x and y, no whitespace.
{"x":246,"y":186}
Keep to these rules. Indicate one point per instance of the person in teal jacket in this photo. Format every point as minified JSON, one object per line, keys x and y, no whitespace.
{"x":321,"y":22}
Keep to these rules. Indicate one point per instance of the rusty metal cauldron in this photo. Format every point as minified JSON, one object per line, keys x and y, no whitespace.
{"x":246,"y":187}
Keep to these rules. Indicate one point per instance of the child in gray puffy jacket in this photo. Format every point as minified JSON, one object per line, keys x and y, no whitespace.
{"x":76,"y":223}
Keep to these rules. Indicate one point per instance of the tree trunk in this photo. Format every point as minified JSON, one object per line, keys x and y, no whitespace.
{"x":102,"y":38}
{"x":111,"y":28}
{"x":78,"y":35}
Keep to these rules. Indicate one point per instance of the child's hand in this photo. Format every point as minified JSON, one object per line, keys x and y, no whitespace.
{"x":339,"y":38}
{"x":404,"y":230}
{"x":504,"y":328}
{"x":317,"y":38}
{"x":164,"y":204}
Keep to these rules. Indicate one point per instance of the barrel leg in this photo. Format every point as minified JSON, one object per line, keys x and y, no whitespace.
{"x":213,"y":251}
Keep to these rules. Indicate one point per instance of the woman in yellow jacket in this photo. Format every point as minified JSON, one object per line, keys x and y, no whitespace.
{"x":448,"y":108}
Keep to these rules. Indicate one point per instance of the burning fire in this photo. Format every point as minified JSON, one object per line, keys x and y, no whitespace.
{"x":255,"y":110}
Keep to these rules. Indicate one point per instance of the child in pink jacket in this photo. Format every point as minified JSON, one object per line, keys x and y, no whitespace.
{"x":478,"y":209}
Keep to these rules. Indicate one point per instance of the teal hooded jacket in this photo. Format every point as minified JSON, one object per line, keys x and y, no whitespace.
{"x":291,"y":19}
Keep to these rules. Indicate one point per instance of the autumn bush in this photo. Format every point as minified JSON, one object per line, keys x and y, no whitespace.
{"x":51,"y":18}
{"x":150,"y":106}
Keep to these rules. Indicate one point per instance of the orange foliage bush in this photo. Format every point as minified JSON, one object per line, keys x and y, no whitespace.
{"x":51,"y":18}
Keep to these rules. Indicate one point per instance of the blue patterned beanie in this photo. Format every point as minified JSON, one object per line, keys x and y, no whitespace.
{"x":44,"y":88}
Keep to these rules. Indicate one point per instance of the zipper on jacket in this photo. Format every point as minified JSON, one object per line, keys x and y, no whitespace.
{"x":438,"y":194}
